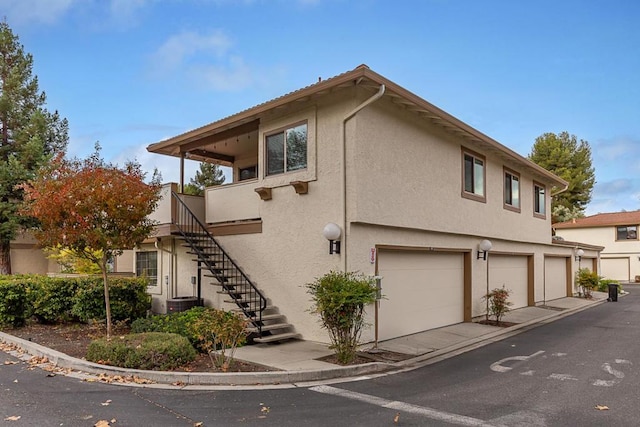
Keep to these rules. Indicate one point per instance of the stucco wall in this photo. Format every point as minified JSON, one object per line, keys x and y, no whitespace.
{"x":407,"y":172}
{"x":404,"y":177}
{"x":606,"y":237}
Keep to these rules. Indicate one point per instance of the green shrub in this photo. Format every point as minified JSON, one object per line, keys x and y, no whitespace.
{"x":219,"y":334}
{"x":176,"y":323}
{"x":51,"y":299}
{"x":128,"y":296}
{"x":339,"y":298}
{"x":603,"y":285}
{"x":587,"y":280}
{"x":13,"y":303}
{"x":212,"y":331}
{"x":151,"y":350}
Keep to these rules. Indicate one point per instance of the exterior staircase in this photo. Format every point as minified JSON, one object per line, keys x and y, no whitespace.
{"x":266,"y":324}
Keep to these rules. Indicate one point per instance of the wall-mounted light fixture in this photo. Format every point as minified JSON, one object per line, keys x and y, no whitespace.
{"x":579,"y":254}
{"x":332,"y":233}
{"x":484,"y":247}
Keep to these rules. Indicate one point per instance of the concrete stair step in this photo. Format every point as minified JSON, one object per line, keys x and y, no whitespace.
{"x":277,"y":337}
{"x":271,"y":327}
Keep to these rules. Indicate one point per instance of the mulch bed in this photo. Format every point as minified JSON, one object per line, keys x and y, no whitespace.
{"x":73,"y":339}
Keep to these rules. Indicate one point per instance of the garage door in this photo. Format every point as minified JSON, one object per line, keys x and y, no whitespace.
{"x":615,"y":268}
{"x":555,"y":278}
{"x":422,"y":290}
{"x":511,"y":272}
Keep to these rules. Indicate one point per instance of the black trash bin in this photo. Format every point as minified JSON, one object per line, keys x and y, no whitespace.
{"x":613,"y":292}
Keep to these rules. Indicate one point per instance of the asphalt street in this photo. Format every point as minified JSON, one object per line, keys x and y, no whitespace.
{"x":581,"y":370}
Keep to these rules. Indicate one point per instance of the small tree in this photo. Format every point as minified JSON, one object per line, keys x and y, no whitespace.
{"x":340,"y":298}
{"x":497,"y":303}
{"x":587,"y":281}
{"x":94,"y":209}
{"x":220,"y":333}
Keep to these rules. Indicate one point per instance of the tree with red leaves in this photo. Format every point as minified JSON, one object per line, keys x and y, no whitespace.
{"x":92,"y":208}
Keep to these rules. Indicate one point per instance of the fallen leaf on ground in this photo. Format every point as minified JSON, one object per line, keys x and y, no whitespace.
{"x":10,"y":362}
{"x":602,"y":408}
{"x":396,"y":418}
{"x":102,"y":423}
{"x":13,"y":418}
{"x":106,"y":403}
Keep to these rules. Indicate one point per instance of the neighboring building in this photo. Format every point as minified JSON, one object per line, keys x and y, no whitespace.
{"x":413,"y":192}
{"x":617,"y":232}
{"x":27,"y":257}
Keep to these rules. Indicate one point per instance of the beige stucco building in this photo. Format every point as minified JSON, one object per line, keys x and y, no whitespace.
{"x":412,"y":189}
{"x":617,"y":232}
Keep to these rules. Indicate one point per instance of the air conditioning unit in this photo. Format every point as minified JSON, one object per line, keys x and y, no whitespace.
{"x":179,"y":304}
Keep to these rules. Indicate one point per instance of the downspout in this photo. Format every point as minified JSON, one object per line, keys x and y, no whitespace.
{"x":181,"y":173}
{"x":344,"y":165}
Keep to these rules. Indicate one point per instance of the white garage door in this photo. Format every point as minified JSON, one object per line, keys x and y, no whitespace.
{"x":422,"y":290}
{"x":555,"y":278}
{"x":615,"y":268}
{"x":511,"y":272}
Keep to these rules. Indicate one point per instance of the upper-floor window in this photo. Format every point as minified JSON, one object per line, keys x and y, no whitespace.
{"x":473,"y":179}
{"x":539,"y":201}
{"x":287,"y":150}
{"x":147,"y":266}
{"x":511,"y":190}
{"x":627,"y":232}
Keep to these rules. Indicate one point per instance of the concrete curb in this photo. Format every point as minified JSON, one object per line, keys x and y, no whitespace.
{"x":187,"y":379}
{"x":62,"y":360}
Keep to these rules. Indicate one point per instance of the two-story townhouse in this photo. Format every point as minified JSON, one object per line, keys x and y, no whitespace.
{"x":415,"y":194}
{"x":617,"y":232}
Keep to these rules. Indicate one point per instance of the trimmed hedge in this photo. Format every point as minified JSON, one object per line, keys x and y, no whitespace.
{"x":151,"y":350}
{"x":60,"y":299}
{"x":200,"y":325}
{"x":13,"y":304}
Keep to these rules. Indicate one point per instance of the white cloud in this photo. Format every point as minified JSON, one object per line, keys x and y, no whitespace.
{"x":614,"y":187}
{"x":28,"y":11}
{"x":189,"y":47}
{"x":204,"y":61}
{"x":233,"y":75}
{"x":124,"y":11}
{"x":615,"y":148}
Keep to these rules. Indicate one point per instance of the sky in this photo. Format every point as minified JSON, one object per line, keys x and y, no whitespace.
{"x":129,"y":73}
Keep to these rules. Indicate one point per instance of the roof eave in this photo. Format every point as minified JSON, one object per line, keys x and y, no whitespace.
{"x":360,"y":72}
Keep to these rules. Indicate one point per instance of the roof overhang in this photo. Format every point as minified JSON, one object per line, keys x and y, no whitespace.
{"x":248,"y":120}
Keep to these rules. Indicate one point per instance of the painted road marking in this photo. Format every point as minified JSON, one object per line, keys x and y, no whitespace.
{"x":497,"y":366}
{"x":433,"y":414}
{"x":618,"y":375}
{"x":606,"y":367}
{"x":562,"y":377}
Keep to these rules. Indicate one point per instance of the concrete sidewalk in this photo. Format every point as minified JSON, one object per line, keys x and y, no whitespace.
{"x":296,"y":362}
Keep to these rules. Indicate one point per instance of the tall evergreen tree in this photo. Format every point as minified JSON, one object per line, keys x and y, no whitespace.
{"x":29,"y":135}
{"x":569,"y":159}
{"x":209,"y":175}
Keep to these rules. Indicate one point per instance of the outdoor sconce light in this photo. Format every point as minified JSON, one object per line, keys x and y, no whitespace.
{"x":484,"y":247}
{"x":579,"y":254}
{"x":332,"y":233}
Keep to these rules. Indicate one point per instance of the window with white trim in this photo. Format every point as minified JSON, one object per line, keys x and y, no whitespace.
{"x":147,"y":266}
{"x":287,"y":150}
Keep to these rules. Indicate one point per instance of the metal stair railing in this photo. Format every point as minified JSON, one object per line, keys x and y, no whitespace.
{"x":233,"y":280}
